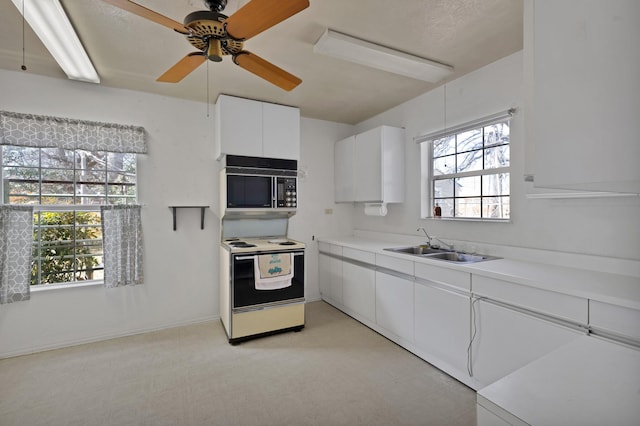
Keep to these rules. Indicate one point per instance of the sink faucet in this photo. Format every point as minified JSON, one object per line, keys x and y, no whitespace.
{"x":427,"y":235}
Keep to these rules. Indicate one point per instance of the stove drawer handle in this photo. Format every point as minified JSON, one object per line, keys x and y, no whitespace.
{"x":251,"y":257}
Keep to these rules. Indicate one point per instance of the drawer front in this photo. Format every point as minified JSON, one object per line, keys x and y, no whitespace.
{"x":542,"y":301}
{"x":616,"y":319}
{"x":395,"y":264}
{"x":444,"y":276}
{"x":360,"y":255}
{"x":329,"y":248}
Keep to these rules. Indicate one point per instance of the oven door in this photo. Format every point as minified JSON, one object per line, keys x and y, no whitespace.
{"x":249,"y":191}
{"x":245,"y":296}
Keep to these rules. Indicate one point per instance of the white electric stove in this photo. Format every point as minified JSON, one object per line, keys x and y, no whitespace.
{"x":247,"y":309}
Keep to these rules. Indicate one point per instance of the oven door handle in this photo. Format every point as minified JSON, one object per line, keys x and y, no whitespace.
{"x":244,"y":258}
{"x":251,"y":257}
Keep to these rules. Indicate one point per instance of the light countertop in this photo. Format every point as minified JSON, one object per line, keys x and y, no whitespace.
{"x":585,"y":382}
{"x":621,"y":290}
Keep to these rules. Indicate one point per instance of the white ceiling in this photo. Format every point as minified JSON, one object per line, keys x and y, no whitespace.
{"x":131,"y":52}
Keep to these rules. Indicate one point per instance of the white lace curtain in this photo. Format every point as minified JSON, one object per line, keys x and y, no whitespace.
{"x":122,"y":241}
{"x":16,"y":244}
{"x":57,"y":132}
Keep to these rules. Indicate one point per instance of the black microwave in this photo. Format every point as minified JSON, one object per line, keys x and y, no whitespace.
{"x":261,"y":183}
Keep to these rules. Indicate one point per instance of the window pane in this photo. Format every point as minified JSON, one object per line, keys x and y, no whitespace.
{"x":57,"y":158}
{"x":468,"y":207}
{"x":469,"y":161}
{"x":444,"y":165}
{"x":443,"y":188}
{"x":88,"y":176}
{"x":88,"y":254}
{"x":496,"y":134}
{"x":121,"y":162}
{"x":497,"y":184}
{"x":470,"y":140}
{"x":496,"y":207}
{"x":468,"y":186}
{"x":20,"y":156}
{"x":86,"y":160}
{"x":57,"y":193}
{"x":57,"y":176}
{"x":444,"y":146}
{"x":53,"y":256}
{"x":496,"y":157}
{"x":67,"y":247}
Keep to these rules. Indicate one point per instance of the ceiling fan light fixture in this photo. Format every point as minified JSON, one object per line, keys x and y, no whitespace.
{"x":214,"y":50}
{"x":51,"y":24}
{"x":352,"y":49}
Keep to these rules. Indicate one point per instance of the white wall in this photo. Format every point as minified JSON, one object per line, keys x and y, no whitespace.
{"x":181,"y":273}
{"x":603,"y":226}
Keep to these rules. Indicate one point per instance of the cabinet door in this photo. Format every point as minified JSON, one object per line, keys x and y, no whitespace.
{"x":442,"y":322}
{"x":344,"y":171}
{"x":368,"y":166}
{"x":358,"y":290}
{"x":281,"y":131}
{"x":330,"y":276}
{"x":507,"y":340}
{"x":586,"y":102}
{"x":394,"y":304}
{"x":239,"y":124}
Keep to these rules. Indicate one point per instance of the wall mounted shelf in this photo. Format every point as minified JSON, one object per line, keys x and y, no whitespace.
{"x":174,"y":208}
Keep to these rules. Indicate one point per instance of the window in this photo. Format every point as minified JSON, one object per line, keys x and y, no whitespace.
{"x":67,"y":186}
{"x":469,"y":170}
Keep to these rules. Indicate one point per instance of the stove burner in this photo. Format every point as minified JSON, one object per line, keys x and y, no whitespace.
{"x":241,"y":244}
{"x":287,"y":243}
{"x":232,"y":239}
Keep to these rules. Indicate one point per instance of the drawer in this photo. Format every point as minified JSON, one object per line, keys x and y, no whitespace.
{"x":616,"y":319}
{"x":329,"y":248}
{"x":444,"y":276}
{"x":542,"y":301}
{"x":395,"y":264}
{"x":362,"y":256}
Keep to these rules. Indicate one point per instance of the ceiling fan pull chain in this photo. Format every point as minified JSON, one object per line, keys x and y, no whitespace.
{"x":24,"y":66}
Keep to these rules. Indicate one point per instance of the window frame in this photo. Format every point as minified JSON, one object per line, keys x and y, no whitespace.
{"x":76,"y":197}
{"x":426,"y":143}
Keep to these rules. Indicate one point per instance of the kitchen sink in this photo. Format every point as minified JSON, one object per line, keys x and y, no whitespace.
{"x":441,"y":254}
{"x":454,"y":256}
{"x":418,"y":250}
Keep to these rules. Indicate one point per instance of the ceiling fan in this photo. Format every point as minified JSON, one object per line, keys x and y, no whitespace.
{"x":216,"y":35}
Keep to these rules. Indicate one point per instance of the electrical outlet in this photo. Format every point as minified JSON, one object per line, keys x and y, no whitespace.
{"x":328,"y":211}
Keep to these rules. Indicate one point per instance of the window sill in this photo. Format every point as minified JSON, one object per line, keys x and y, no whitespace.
{"x":52,"y":287}
{"x":467,"y":219}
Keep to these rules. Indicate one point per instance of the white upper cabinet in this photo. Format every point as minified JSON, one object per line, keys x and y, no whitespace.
{"x":256,"y":129}
{"x":369,"y":167}
{"x":280,"y":131}
{"x":586,"y":94}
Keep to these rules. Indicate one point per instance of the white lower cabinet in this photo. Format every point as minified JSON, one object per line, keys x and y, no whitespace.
{"x":394,"y":305}
{"x":442,"y":327}
{"x":359,"y":290}
{"x":330,"y":277}
{"x":507,"y":340}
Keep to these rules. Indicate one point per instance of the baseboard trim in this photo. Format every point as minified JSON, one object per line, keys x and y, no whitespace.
{"x":106,"y":336}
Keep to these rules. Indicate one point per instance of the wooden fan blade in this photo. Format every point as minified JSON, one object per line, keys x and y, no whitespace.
{"x":184,"y":66}
{"x":264,"y":69}
{"x":259,"y":15}
{"x":149,"y":14}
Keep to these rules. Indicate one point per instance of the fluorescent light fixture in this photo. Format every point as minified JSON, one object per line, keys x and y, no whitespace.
{"x":362,"y":52}
{"x":49,"y":21}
